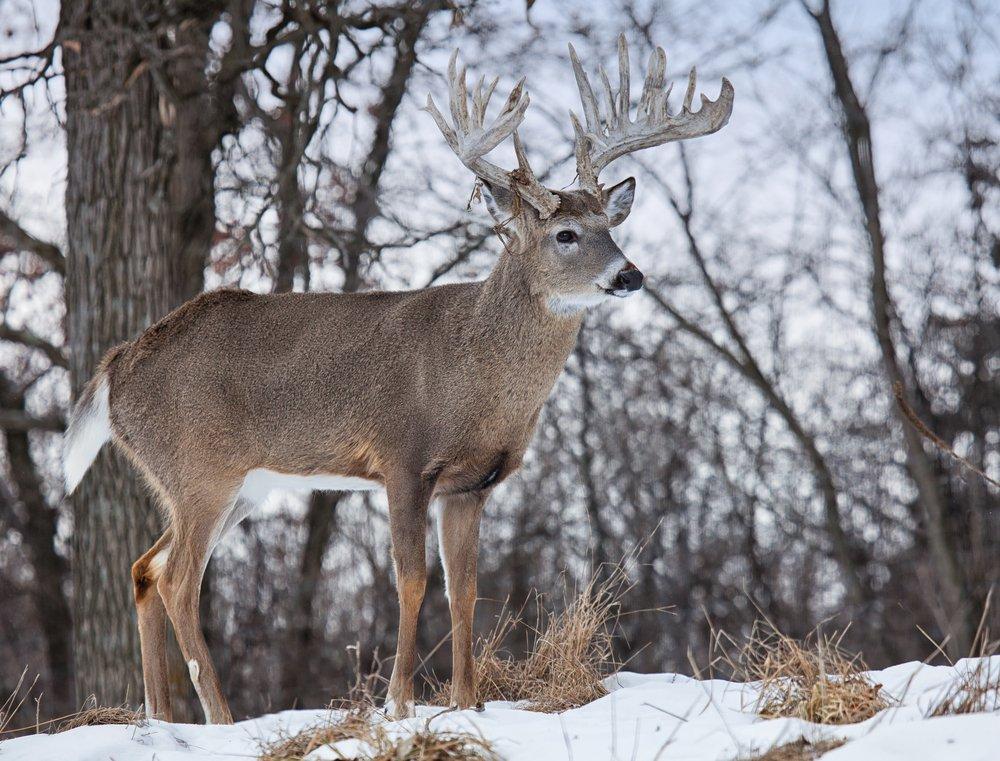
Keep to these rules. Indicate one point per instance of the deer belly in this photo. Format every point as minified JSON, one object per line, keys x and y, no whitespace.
{"x":261,"y":482}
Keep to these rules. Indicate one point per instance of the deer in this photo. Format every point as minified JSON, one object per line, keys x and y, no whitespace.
{"x":430,"y":394}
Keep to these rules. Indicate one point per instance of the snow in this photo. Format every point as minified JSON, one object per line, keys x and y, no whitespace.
{"x":645,"y":717}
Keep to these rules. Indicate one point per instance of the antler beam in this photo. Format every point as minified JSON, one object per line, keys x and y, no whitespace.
{"x":471,"y":138}
{"x":613,"y":134}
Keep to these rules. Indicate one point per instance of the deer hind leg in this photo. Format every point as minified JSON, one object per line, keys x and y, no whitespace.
{"x":153,"y":628}
{"x":458,"y":538}
{"x":199,"y":523}
{"x":408,"y":501}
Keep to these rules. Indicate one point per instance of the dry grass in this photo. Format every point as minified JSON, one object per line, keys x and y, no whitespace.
{"x":10,"y":707}
{"x":569,"y":653}
{"x":92,"y":715}
{"x":814,"y":679}
{"x":374,"y":743}
{"x":800,"y":750}
{"x":977,"y":689}
{"x":425,"y":745}
{"x":351,"y":724}
{"x":357,"y":718}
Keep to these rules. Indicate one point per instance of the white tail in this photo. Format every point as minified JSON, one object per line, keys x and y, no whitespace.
{"x":89,"y":429}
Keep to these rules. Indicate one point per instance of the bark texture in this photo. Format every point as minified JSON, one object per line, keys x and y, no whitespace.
{"x":137,"y":236}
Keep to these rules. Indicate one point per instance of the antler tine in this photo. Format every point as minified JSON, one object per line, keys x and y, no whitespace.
{"x":477,"y":103}
{"x":625,"y":85}
{"x":481,"y":100}
{"x":653,"y":86}
{"x":590,"y":111}
{"x":689,"y":95}
{"x":514,"y":98}
{"x":609,"y":99}
{"x":615,"y":133}
{"x":456,"y":93}
{"x":523,"y":167}
{"x":584,"y":169}
{"x":471,"y":138}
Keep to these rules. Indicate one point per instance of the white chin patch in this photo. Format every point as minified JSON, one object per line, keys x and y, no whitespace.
{"x":571,"y":303}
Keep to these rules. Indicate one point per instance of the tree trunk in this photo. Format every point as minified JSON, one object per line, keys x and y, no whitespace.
{"x":857,"y":136}
{"x":137,"y":236}
{"x":321,"y":520}
{"x":37,"y":526}
{"x":293,"y":254}
{"x":600,"y":539}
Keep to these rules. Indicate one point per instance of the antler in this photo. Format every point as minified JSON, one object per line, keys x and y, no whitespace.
{"x":471,"y":139}
{"x":608,"y":138}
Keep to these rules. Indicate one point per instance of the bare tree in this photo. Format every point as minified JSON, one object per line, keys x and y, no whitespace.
{"x":922,"y":468}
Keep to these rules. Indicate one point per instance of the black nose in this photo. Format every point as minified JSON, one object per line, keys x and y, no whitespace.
{"x":629,"y":278}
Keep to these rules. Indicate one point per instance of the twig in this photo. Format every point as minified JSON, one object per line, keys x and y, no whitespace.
{"x":923,"y":429}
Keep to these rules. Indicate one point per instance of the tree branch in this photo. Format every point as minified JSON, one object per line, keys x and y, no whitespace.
{"x":849,"y":553}
{"x":32,"y":341}
{"x":20,"y":420}
{"x":857,"y":136}
{"x":13,"y":237}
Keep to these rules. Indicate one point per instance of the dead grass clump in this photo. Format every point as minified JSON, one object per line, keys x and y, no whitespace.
{"x":814,"y":679}
{"x":89,"y":716}
{"x":357,"y":719}
{"x":374,"y":743}
{"x":425,"y":745}
{"x":352,"y":724}
{"x":92,"y":715}
{"x":569,"y":653}
{"x":800,"y":750}
{"x":350,"y":719}
{"x":977,"y":689}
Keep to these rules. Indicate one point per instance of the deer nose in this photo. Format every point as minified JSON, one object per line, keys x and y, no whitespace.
{"x":629,"y":278}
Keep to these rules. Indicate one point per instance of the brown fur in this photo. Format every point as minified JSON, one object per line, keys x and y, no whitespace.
{"x":430,"y":393}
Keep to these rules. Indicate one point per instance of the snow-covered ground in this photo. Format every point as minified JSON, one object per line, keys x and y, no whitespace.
{"x":646,"y":716}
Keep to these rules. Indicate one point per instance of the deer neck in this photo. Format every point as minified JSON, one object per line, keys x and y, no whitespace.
{"x":516,"y":329}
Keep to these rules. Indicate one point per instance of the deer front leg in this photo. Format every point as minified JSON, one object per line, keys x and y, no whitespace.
{"x":408,"y":500}
{"x":458,"y":537}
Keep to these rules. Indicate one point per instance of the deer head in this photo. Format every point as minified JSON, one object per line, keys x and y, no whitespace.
{"x":563,"y":237}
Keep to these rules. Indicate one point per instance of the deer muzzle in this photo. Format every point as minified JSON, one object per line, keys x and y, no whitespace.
{"x":628,"y":279}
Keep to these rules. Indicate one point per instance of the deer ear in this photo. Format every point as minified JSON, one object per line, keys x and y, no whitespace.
{"x":500,"y":203}
{"x":618,"y":201}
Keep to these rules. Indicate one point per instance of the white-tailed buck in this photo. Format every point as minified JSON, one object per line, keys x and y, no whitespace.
{"x":428,"y":394}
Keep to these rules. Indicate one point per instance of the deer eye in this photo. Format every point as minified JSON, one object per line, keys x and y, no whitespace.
{"x":565,"y":236}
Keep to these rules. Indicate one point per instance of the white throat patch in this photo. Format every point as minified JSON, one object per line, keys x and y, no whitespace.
{"x":572,"y":303}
